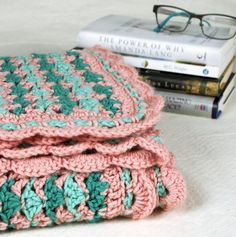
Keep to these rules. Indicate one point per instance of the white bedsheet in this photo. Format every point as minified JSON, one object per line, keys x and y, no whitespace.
{"x":205,"y":149}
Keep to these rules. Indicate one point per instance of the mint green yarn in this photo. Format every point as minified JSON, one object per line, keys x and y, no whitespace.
{"x":126,"y":176}
{"x":128,"y":86}
{"x":8,"y":126}
{"x":37,"y":91}
{"x":140,"y":115}
{"x":157,"y":139}
{"x":32,"y":123}
{"x":2,"y":103}
{"x":55,"y":197}
{"x":3,"y":111}
{"x":32,"y":202}
{"x":114,"y":74}
{"x":141,"y":105}
{"x":91,"y":104}
{"x":84,"y":91}
{"x":161,"y":190}
{"x":57,"y":123}
{"x":81,"y":122}
{"x":106,"y":66}
{"x":68,"y":77}
{"x":61,"y":66}
{"x":32,"y":78}
{"x":128,"y":201}
{"x":127,"y":120}
{"x":156,"y":170}
{"x":129,"y":196}
{"x":43,"y":104}
{"x":27,"y":68}
{"x":106,"y":123}
{"x":74,"y":195}
{"x":134,"y":94}
{"x":9,"y":202}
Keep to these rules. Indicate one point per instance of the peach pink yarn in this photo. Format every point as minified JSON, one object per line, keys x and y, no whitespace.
{"x":78,"y":141}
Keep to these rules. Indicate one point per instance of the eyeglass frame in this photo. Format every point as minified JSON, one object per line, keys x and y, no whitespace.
{"x":191,"y":16}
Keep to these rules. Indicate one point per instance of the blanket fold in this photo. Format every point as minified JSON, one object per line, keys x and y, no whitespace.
{"x":79,"y":141}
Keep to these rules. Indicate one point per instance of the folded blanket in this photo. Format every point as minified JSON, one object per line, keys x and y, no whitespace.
{"x":79,"y":140}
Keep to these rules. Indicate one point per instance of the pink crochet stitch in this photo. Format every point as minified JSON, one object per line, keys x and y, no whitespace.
{"x":78,"y":141}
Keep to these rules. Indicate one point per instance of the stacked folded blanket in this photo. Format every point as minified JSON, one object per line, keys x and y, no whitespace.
{"x":79,"y":141}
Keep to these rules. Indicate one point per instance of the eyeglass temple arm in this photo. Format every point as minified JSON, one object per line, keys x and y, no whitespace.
{"x":165,"y":21}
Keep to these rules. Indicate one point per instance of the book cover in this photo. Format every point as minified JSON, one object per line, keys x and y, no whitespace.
{"x":204,"y":106}
{"x":188,"y":84}
{"x":124,"y":34}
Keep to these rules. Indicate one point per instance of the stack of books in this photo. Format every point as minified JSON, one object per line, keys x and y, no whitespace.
{"x":193,"y":73}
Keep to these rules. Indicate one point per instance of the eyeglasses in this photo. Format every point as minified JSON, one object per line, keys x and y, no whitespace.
{"x":214,"y":26}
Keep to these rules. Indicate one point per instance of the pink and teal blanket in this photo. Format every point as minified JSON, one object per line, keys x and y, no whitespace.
{"x":79,"y":141}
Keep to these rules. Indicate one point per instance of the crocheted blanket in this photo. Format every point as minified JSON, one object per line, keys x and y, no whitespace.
{"x":79,"y":141}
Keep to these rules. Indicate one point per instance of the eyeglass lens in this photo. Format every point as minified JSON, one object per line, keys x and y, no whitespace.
{"x":219,"y":27}
{"x":172,"y":19}
{"x":213,"y":25}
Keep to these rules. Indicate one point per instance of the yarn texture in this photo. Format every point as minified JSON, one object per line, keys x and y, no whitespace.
{"x":79,"y":141}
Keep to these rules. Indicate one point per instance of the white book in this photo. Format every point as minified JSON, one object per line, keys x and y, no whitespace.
{"x":134,"y":36}
{"x":175,"y":67}
{"x":204,"y":106}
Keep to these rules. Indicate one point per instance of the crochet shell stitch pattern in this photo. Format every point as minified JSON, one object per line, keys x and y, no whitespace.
{"x":79,"y":141}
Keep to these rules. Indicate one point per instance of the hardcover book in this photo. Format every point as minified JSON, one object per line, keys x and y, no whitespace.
{"x":188,"y":84}
{"x":133,"y":36}
{"x":204,"y":106}
{"x":176,"y":67}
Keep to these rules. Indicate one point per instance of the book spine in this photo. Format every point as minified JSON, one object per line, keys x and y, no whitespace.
{"x":168,"y":66}
{"x":188,"y":104}
{"x":196,"y":87}
{"x":150,"y":48}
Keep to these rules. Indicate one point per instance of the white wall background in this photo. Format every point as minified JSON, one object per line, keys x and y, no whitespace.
{"x":52,"y":25}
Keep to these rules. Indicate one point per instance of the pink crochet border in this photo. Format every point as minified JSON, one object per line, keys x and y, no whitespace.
{"x":154,"y":102}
